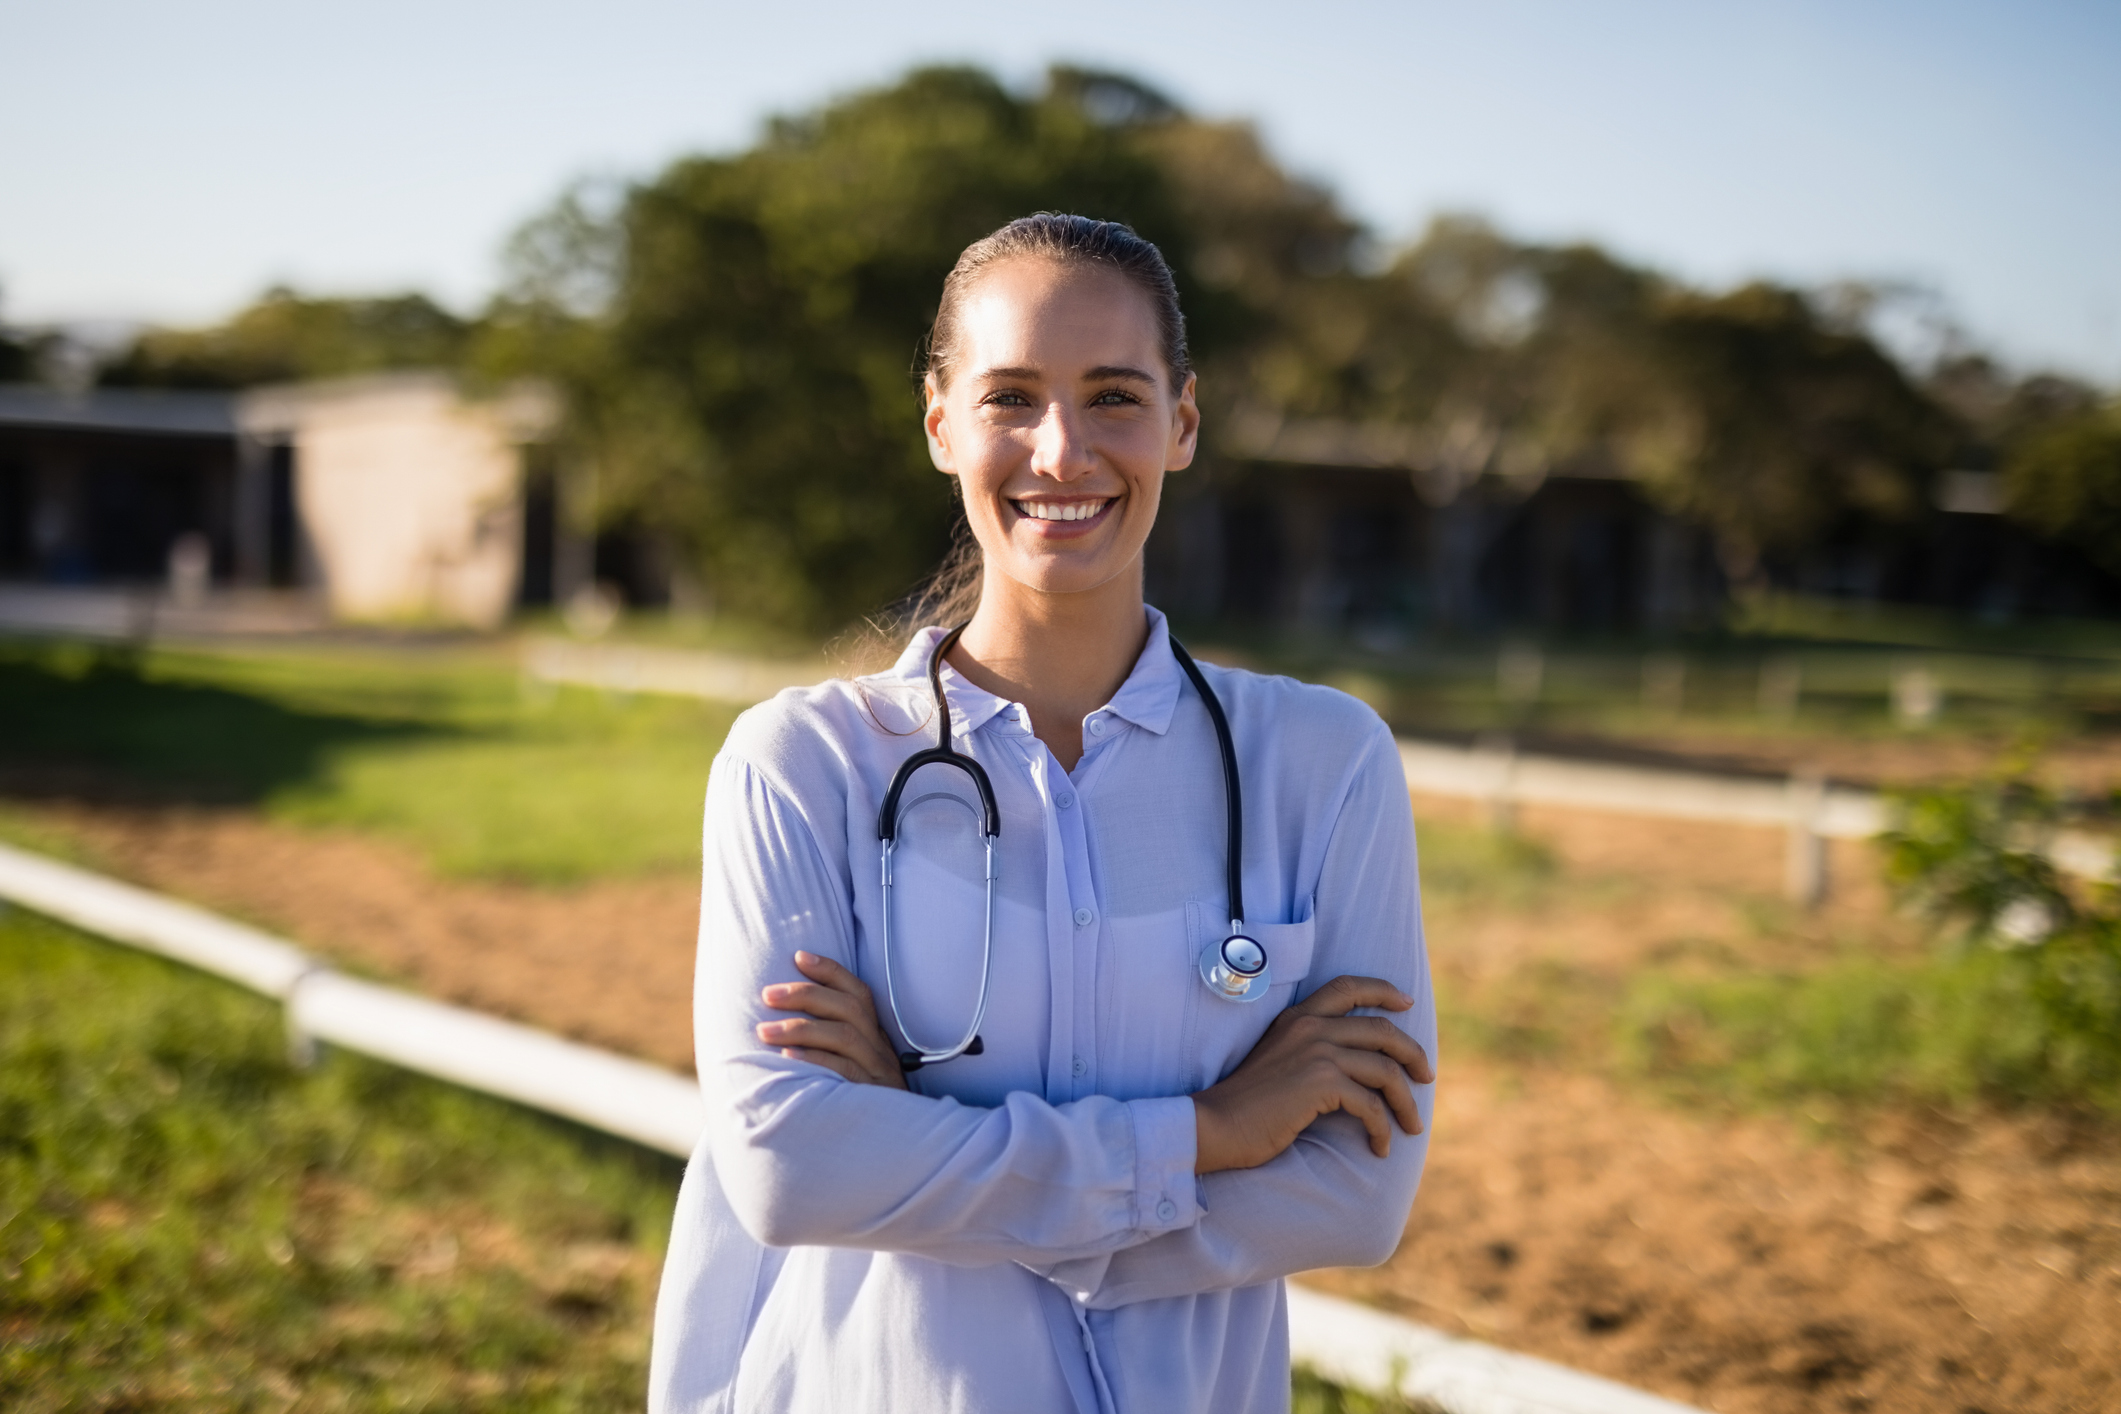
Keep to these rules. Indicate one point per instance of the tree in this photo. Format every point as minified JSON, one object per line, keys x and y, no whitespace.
{"x":2064,"y":480}
{"x":285,"y":337}
{"x":1786,"y":427}
{"x":748,"y":387}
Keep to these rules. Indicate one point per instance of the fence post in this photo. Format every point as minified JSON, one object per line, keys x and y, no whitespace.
{"x":1501,"y":750}
{"x":1804,"y":877}
{"x":301,"y":1046}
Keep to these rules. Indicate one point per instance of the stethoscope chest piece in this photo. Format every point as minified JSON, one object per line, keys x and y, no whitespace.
{"x":1235,"y":969}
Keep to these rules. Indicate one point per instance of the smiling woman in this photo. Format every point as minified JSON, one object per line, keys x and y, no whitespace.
{"x":1088,"y":1203}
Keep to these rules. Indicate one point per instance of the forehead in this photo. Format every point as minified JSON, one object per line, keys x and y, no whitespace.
{"x":1038,"y":313}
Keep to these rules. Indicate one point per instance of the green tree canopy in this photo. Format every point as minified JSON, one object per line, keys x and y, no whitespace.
{"x":743,"y":374}
{"x":2064,"y":480}
{"x":286,"y":336}
{"x":735,"y":338}
{"x":1749,"y":411}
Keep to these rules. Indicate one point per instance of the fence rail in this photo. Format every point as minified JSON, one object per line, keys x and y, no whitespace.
{"x":662,"y":1110}
{"x":1811,"y":810}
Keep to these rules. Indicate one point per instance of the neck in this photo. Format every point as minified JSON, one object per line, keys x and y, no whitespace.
{"x":1061,"y":655}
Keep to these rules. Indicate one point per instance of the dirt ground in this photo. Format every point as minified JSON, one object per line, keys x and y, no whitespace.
{"x":1937,"y":1263}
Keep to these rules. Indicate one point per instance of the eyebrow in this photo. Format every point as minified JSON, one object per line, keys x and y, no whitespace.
{"x":1095,"y":375}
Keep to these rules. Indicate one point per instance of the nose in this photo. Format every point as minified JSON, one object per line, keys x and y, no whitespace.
{"x":1061,"y":450}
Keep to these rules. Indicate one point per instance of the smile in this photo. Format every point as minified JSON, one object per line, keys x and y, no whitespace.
{"x":1063,"y":510}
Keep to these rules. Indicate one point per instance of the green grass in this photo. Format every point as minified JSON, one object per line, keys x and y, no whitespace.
{"x":1312,"y":1395}
{"x":1467,"y":864}
{"x":188,"y":1224}
{"x":443,"y":751}
{"x":1958,"y":1027}
{"x":1998,"y":683}
{"x":185,"y":1223}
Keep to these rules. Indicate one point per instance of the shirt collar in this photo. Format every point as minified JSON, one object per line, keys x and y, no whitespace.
{"x":1150,"y":694}
{"x":1146,"y":699}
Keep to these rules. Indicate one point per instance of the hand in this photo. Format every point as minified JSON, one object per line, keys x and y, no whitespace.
{"x":838,"y":1029}
{"x":1315,"y":1059}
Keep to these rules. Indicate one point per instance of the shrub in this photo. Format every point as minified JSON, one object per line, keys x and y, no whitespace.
{"x":2020,"y":1000}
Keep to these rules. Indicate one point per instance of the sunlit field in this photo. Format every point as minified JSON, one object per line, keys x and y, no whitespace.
{"x":190,"y":1224}
{"x":416,"y":811}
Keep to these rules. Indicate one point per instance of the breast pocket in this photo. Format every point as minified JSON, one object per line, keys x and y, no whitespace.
{"x":1220,"y":1033}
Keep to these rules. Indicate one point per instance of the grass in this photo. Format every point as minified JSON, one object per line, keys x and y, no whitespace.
{"x":1311,"y":1395}
{"x":1956,"y":1028}
{"x":1464,"y":864}
{"x":444,"y":752}
{"x":1784,"y":670}
{"x":186,"y":1223}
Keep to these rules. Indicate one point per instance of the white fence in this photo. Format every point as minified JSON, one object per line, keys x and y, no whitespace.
{"x":1810,"y":810}
{"x":662,"y":1110}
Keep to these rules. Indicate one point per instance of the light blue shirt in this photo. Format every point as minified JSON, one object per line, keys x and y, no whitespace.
{"x":1024,"y":1232}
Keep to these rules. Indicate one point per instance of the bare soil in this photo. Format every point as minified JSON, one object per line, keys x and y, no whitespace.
{"x":1743,"y":1263}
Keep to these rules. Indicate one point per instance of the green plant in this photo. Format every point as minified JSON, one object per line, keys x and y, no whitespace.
{"x":186,"y":1223}
{"x":2020,"y":1000}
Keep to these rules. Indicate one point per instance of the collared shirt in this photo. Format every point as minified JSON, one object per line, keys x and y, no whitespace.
{"x":1023,"y":1231}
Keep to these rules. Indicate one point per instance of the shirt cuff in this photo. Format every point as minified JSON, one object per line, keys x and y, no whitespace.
{"x":1165,"y":1194}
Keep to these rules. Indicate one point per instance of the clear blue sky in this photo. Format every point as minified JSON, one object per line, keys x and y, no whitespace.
{"x":166,"y":161}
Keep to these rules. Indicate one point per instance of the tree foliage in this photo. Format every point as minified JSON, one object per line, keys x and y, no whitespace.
{"x":285,"y":336}
{"x":748,"y":381}
{"x":2064,"y":480}
{"x":1749,"y":411}
{"x":735,"y":337}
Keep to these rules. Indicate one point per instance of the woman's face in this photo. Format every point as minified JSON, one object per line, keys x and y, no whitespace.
{"x":1059,"y":422}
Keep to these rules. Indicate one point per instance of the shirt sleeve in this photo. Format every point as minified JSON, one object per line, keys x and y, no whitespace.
{"x":809,"y":1159}
{"x":1326,"y":1201}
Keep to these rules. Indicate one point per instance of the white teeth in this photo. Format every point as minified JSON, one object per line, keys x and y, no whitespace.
{"x":1060,"y":510}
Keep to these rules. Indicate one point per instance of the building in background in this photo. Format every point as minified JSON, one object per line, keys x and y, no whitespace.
{"x":389,"y":498}
{"x":1382,"y":531}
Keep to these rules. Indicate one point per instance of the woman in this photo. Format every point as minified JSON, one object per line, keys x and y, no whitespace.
{"x":1091,"y":1208}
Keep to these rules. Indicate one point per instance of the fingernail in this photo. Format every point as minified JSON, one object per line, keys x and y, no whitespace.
{"x":802,"y":957}
{"x":777,"y":991}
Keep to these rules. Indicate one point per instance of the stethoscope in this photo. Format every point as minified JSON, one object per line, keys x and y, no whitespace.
{"x":1234,"y":969}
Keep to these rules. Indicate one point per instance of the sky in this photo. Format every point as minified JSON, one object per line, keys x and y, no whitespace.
{"x":166,"y":162}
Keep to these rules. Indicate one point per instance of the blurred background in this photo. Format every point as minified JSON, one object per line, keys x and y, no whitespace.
{"x":423,"y":428}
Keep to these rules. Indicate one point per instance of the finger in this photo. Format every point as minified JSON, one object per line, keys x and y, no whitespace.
{"x":859,"y":1046}
{"x":1345,"y":993}
{"x":1384,"y":1076}
{"x":823,"y":969}
{"x":1364,"y":1103}
{"x":819,"y":1000}
{"x":838,"y":1065}
{"x":1375,"y":1033}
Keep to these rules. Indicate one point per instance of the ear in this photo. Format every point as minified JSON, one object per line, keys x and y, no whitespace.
{"x":1185,"y":428}
{"x":937,"y":430}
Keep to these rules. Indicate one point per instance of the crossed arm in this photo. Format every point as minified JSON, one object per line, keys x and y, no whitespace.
{"x":1315,"y":1060}
{"x":1306,"y":1155}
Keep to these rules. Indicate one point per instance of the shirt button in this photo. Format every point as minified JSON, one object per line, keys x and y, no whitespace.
{"x":1166,"y":1211}
{"x":1097,"y":726}
{"x":1084,"y":918}
{"x":1081,"y":1065}
{"x":1064,"y":800}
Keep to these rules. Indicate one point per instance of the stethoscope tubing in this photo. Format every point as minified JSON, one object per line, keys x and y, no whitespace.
{"x":1238,"y":980}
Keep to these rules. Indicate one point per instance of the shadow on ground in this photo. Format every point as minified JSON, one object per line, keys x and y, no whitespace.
{"x":92,"y":723}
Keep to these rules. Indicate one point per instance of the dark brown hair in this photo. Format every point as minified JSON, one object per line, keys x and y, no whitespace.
{"x":1071,"y":240}
{"x":951,"y":594}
